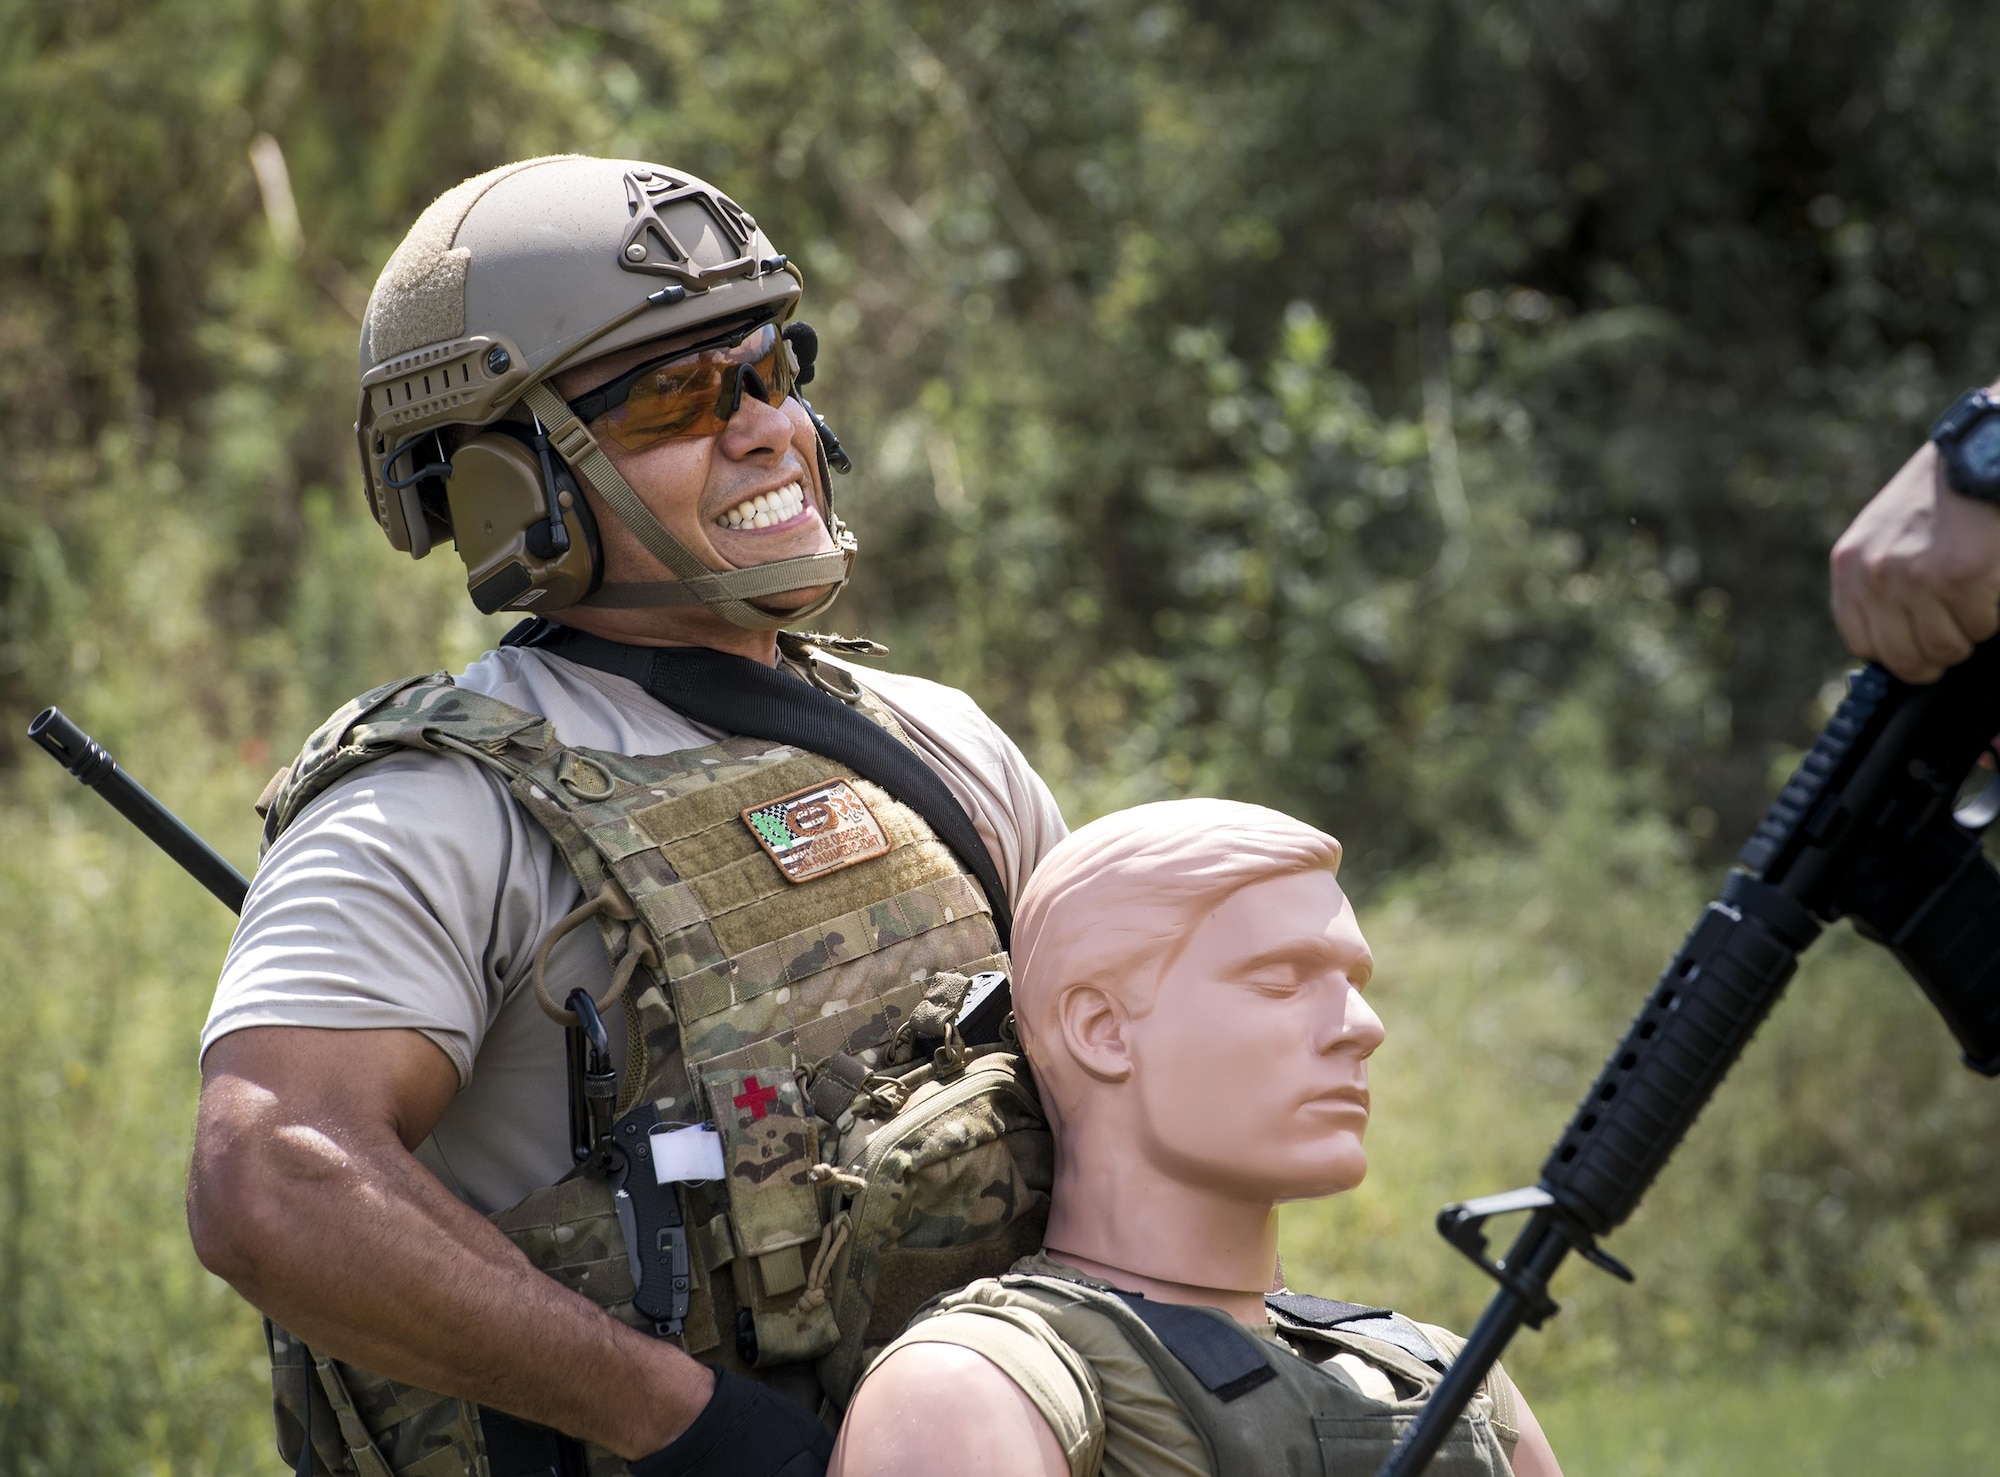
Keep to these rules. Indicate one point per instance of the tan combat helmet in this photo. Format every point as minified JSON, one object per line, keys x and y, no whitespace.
{"x":507,"y":279}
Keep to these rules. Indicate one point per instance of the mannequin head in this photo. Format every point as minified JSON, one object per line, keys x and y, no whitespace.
{"x":1187,"y":987}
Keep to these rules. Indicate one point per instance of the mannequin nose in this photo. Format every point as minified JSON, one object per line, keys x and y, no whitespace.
{"x":1352,"y":1024}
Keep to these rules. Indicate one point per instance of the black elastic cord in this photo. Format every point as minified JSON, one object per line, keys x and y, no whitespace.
{"x":435,"y":469}
{"x":737,"y":695}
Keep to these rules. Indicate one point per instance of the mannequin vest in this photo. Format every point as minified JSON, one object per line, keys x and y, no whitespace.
{"x":1268,"y":1409}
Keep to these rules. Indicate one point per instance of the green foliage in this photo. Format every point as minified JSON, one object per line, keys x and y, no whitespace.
{"x":117,"y":1351}
{"x":1429,"y":418}
{"x":1830,"y":1197}
{"x":1930,"y":1414}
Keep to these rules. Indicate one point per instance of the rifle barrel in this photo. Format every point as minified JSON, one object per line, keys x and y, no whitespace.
{"x":86,"y":759}
{"x":1538,"y":1251}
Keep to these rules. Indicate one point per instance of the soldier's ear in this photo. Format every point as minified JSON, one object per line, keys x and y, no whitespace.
{"x":1093,"y":1028}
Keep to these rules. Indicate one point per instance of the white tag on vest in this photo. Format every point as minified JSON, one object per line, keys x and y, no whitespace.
{"x":692,"y":1153}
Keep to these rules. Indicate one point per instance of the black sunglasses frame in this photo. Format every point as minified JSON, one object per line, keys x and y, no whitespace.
{"x":613,"y":393}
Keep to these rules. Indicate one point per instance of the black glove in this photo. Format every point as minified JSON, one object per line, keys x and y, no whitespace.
{"x":743,"y":1431}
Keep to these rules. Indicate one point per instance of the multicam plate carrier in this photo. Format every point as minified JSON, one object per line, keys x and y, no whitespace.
{"x":757,"y":955}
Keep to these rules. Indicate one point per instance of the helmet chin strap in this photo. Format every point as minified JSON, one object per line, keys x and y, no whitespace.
{"x":727,"y":592}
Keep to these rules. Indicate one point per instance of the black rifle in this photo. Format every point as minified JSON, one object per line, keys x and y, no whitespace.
{"x":1869,"y":828}
{"x":83,"y":757}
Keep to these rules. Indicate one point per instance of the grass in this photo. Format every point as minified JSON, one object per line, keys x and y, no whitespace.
{"x":1932,"y":1414}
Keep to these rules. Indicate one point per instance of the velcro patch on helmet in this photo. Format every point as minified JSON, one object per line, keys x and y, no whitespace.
{"x":817,"y":830}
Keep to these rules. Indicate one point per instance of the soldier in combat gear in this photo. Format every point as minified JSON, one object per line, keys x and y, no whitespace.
{"x":493,"y":1235}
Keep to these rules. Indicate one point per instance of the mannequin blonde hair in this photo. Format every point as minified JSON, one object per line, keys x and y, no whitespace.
{"x":1115,"y":903}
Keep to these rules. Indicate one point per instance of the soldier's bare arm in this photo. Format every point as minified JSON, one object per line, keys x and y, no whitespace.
{"x":935,"y":1407}
{"x":1916,"y":578}
{"x":304,"y":1196}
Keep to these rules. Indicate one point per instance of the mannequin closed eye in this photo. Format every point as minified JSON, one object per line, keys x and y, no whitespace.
{"x":1299,"y":962}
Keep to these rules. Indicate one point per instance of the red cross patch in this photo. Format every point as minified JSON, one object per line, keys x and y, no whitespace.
{"x":756,"y":1097}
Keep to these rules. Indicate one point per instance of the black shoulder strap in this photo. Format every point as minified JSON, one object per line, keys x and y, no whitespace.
{"x":1224,"y":1358}
{"x":738,"y":695}
{"x":1374,"y":1323}
{"x":1319,"y":1312}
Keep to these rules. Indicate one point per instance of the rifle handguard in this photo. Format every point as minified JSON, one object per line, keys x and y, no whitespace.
{"x":1708,"y":1004}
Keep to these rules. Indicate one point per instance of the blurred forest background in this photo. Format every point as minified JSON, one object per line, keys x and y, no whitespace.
{"x":1428,"y":417}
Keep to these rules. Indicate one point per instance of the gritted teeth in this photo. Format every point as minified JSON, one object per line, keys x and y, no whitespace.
{"x":766,"y":509}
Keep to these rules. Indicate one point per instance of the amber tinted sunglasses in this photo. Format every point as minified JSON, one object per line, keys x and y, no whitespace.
{"x":693,"y":393}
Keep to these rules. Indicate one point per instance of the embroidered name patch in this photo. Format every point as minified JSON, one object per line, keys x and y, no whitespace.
{"x":817,"y":830}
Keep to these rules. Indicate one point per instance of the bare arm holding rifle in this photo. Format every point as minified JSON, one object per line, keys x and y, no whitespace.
{"x":1916,"y":577}
{"x":1871,"y":828}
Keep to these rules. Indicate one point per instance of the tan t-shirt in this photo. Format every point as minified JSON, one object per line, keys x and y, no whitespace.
{"x":414,"y":893}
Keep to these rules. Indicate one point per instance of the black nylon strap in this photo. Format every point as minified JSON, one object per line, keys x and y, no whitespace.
{"x":1374,"y":1323}
{"x":1320,"y":1312}
{"x":738,"y":695}
{"x":1405,"y":1335}
{"x":304,"y":1466}
{"x":517,"y":1448}
{"x":1226,"y":1361}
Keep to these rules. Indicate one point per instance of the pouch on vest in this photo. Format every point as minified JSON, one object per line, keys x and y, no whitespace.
{"x":770,"y":1143}
{"x":943,"y":1172}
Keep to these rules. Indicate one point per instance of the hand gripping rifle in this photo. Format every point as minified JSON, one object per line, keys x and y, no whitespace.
{"x":1867,"y":829}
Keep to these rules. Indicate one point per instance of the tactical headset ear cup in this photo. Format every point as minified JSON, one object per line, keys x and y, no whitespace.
{"x":503,"y":483}
{"x":580,"y":520}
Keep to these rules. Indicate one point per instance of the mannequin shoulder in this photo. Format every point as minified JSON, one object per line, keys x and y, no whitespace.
{"x":937,"y":1407}
{"x":1532,"y":1455}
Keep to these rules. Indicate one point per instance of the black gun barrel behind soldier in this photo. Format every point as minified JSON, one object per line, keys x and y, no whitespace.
{"x":83,"y":757}
{"x":1869,"y":828}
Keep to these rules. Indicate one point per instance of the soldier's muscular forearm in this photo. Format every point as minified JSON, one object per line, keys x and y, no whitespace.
{"x":1916,"y":578}
{"x":304,"y":1196}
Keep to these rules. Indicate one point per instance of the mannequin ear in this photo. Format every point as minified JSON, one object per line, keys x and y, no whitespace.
{"x":1092,"y":1025}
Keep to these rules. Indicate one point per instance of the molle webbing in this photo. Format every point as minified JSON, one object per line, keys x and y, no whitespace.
{"x":740,"y":696}
{"x":744,"y":978}
{"x":751,"y":956}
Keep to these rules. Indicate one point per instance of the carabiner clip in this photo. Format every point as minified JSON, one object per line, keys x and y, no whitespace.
{"x":593,"y":1082}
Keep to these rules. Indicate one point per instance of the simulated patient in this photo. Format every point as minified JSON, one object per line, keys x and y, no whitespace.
{"x":1188,"y":989}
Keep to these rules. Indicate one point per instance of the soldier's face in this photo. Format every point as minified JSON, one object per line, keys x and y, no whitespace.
{"x":1252,"y":1065}
{"x":745,"y":496}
